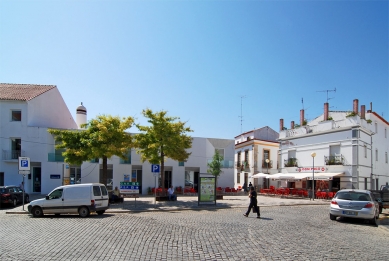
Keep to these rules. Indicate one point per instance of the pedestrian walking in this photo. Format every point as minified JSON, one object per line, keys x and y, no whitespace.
{"x":245,"y":187}
{"x":253,"y":203}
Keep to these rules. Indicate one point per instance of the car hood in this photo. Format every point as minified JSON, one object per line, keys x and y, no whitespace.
{"x":37,"y":201}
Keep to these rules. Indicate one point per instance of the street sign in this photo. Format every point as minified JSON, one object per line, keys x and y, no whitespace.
{"x":155,"y":168}
{"x":24,"y":163}
{"x":129,"y":187}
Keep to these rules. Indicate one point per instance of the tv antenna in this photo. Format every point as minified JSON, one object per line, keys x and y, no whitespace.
{"x":241,"y":112}
{"x":327,"y":91}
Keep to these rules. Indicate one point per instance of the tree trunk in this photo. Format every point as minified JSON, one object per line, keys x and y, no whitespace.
{"x":162,"y":170}
{"x":105,"y":168}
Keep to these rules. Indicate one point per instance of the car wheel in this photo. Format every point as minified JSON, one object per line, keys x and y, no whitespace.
{"x":332,"y":217}
{"x":100,"y":212}
{"x":14,"y":202}
{"x":373,"y":221}
{"x":83,"y":212}
{"x":27,"y":199}
{"x":37,"y":212}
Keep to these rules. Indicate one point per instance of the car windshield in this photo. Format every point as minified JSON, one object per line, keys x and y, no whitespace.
{"x":354,"y":196}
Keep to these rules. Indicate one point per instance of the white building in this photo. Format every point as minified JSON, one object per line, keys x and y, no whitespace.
{"x":27,"y":111}
{"x":256,"y":152}
{"x":341,"y":149}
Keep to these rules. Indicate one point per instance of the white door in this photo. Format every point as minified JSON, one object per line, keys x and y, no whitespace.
{"x":54,"y":204}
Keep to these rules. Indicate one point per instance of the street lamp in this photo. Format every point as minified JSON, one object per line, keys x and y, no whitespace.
{"x":267,"y":172}
{"x":313,"y":154}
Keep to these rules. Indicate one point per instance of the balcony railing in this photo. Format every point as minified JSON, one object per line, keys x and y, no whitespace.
{"x":267,"y":165}
{"x":12,"y":154}
{"x":291,"y":162}
{"x":226,"y":164}
{"x":55,"y":157}
{"x":334,"y":160}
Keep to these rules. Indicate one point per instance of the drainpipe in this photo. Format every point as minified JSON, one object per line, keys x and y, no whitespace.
{"x":371,"y":160}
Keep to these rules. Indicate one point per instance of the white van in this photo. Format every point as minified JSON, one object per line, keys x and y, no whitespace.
{"x":72,"y":199}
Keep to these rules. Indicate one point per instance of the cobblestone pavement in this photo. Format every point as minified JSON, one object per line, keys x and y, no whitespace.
{"x":283,"y":233}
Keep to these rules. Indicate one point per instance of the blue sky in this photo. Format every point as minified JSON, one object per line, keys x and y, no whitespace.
{"x":207,"y":62}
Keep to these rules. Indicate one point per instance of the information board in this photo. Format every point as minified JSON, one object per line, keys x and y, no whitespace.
{"x":129,"y":187}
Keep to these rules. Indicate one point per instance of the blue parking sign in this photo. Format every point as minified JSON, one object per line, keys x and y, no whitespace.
{"x":155,"y":168}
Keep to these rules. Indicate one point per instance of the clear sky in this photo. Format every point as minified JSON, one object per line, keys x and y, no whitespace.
{"x":207,"y":62}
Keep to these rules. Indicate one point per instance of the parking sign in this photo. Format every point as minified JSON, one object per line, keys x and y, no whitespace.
{"x":24,"y":163}
{"x":155,"y":168}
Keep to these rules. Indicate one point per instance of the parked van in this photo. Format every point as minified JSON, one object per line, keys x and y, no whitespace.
{"x":79,"y":199}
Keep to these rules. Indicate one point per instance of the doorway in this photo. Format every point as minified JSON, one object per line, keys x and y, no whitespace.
{"x":1,"y":178}
{"x":168,"y":179}
{"x":37,"y":179}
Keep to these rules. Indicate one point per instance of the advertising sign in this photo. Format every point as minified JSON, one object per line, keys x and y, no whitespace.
{"x":207,"y":191}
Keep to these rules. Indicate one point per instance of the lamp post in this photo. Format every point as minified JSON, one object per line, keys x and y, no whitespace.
{"x":313,"y":154}
{"x":267,"y":172}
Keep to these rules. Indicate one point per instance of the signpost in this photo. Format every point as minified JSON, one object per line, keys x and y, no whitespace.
{"x":155,"y":171}
{"x":24,"y":169}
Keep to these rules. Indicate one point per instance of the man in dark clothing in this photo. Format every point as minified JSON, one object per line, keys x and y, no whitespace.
{"x":253,"y":203}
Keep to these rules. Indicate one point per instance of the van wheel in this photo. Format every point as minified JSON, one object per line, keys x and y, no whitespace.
{"x":83,"y":212}
{"x":37,"y":212}
{"x":100,"y":212}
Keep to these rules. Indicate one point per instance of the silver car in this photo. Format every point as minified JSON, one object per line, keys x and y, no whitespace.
{"x":355,"y":203}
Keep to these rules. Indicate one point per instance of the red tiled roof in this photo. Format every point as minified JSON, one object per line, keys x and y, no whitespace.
{"x":22,"y":92}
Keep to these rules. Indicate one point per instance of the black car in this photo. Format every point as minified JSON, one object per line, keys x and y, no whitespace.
{"x":12,"y":195}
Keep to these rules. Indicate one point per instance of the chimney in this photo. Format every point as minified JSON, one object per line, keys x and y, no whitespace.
{"x":355,"y":106}
{"x":326,"y":111}
{"x":371,"y":108}
{"x":362,"y":111}
{"x":292,"y":125}
{"x":301,"y":117}
{"x":281,"y":124}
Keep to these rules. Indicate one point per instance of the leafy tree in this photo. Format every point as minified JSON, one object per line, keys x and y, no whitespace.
{"x":103,"y":137}
{"x":216,"y":165}
{"x":165,"y":138}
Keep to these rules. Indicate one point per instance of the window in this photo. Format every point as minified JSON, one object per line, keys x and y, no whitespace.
{"x":56,"y":194}
{"x":221,"y":152}
{"x":181,"y":163}
{"x":16,"y":116}
{"x":266,"y":154}
{"x":246,"y":156}
{"x":96,"y":191}
{"x":376,"y":155}
{"x":365,"y":183}
{"x":238,"y":177}
{"x":385,"y":133}
{"x":354,"y":133}
{"x":386,"y":157}
{"x":16,"y":146}
{"x":376,"y":127}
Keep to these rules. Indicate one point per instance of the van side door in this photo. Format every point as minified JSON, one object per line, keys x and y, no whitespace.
{"x":54,"y":202}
